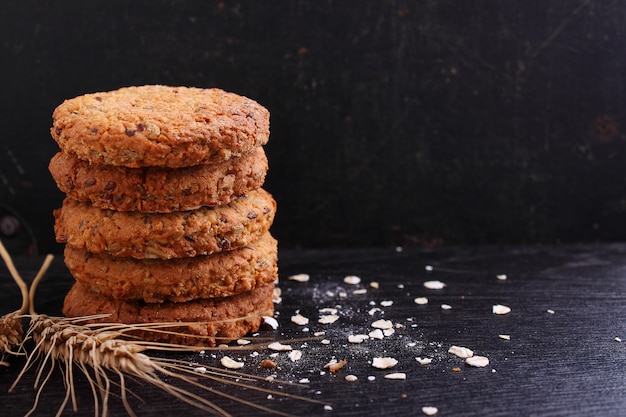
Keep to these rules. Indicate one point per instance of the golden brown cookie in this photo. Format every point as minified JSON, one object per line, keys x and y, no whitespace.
{"x":204,"y":322}
{"x":157,"y":125}
{"x":165,"y":235}
{"x":155,"y":280}
{"x":157,"y":189}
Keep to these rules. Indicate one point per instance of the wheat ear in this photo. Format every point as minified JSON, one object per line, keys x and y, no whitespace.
{"x":99,"y":350}
{"x":11,"y":331}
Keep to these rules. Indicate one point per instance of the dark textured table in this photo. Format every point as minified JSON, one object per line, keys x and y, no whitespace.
{"x":564,"y":357}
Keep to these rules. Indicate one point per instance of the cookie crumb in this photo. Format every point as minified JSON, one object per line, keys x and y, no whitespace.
{"x":334,"y":365}
{"x":267,"y":363}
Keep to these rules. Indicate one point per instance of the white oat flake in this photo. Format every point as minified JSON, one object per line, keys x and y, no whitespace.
{"x":295,"y":355}
{"x":230,"y":363}
{"x":430,"y":411}
{"x":271,"y":321}
{"x":299,"y":319}
{"x":500,"y":309}
{"x":376,"y":334}
{"x":424,"y":361}
{"x":351,"y":378}
{"x":434,"y":285}
{"x":477,"y":361}
{"x":299,"y":277}
{"x":386,"y":303}
{"x":277,"y":346}
{"x":357,"y":338}
{"x":396,"y":375}
{"x":421,"y":301}
{"x":446,"y":307}
{"x":461,"y":352}
{"x":382,"y":324}
{"x":331,"y":318}
{"x":505,"y":336}
{"x":352,"y":280}
{"x":384,"y":363}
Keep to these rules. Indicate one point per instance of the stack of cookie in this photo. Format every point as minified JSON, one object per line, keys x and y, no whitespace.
{"x":165,"y":219}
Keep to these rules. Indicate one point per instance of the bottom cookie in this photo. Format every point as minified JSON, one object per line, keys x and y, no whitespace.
{"x":203,"y":322}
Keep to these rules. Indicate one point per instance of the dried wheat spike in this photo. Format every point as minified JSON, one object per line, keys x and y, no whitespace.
{"x":11,"y":336}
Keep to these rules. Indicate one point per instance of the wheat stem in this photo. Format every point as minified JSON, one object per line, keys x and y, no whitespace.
{"x":16,"y":277}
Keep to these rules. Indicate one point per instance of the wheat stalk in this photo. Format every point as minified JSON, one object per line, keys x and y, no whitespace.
{"x":102,"y":350}
{"x":11,"y":331}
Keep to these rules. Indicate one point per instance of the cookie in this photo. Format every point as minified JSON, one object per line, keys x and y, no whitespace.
{"x":165,"y":235}
{"x":157,"y":189}
{"x":156,"y":280}
{"x":157,"y":125}
{"x":204,"y":322}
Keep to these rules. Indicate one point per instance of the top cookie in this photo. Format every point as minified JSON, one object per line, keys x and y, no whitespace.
{"x":157,"y":125}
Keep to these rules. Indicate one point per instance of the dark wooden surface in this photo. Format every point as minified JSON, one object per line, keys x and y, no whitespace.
{"x":563,"y":364}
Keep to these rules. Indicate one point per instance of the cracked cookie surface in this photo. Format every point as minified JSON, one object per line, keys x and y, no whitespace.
{"x":156,"y":125}
{"x":158,"y":189}
{"x":221,"y":274}
{"x":165,"y":235}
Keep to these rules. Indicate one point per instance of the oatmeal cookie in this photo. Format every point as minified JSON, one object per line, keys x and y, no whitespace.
{"x":156,"y":280}
{"x":156,"y":125}
{"x":165,"y":235}
{"x":203,"y":322}
{"x":157,"y":189}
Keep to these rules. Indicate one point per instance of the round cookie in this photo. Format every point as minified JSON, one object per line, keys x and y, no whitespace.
{"x":157,"y":189}
{"x":156,"y":125}
{"x":165,"y":235}
{"x":205,"y":322}
{"x":156,"y":280}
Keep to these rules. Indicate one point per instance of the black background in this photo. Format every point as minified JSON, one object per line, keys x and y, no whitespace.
{"x":393,"y":122}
